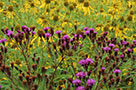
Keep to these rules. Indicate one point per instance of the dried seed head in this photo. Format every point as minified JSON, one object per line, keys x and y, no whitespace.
{"x":12,"y":64}
{"x":34,"y":66}
{"x":35,"y":86}
{"x":20,"y":77}
{"x":43,"y":69}
{"x":24,"y":82}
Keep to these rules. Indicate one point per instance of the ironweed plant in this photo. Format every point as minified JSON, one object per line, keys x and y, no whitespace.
{"x":50,"y":60}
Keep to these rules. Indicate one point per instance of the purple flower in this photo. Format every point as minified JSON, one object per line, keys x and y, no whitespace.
{"x":81,"y":74}
{"x":9,"y":33}
{"x":124,"y":42}
{"x":85,"y":62}
{"x":46,"y":29}
{"x":87,"y":32}
{"x":129,"y":50}
{"x":47,"y":35}
{"x":89,"y":61}
{"x":91,"y":82}
{"x":134,"y":41}
{"x":24,"y":27}
{"x":80,"y":88}
{"x":82,"y":62}
{"x":122,"y":56}
{"x":111,"y":45}
{"x":103,"y":68}
{"x":106,"y":49}
{"x":33,"y":32}
{"x":91,"y":29}
{"x":3,"y":40}
{"x":58,"y":32}
{"x":0,"y":86}
{"x":86,"y":28}
{"x":116,"y":49}
{"x":76,"y":35}
{"x":65,"y":37}
{"x":95,"y":32}
{"x":116,"y":71}
{"x":76,"y":81}
{"x":71,"y":40}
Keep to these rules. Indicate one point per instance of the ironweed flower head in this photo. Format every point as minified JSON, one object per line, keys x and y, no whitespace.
{"x":85,"y":28}
{"x":94,"y":34}
{"x":111,"y":45}
{"x":80,"y":88}
{"x":129,"y":50}
{"x":46,"y":29}
{"x":91,"y":30}
{"x":81,"y":74}
{"x":76,"y":81}
{"x":106,"y":49}
{"x":58,"y":32}
{"x":116,"y":49}
{"x":65,"y":37}
{"x":9,"y":33}
{"x":77,"y":35}
{"x":124,"y":42}
{"x":122,"y":56}
{"x":47,"y":35}
{"x":89,"y":61}
{"x":116,"y":71}
{"x":85,"y":62}
{"x":3,"y":40}
{"x":87,"y":32}
{"x":82,"y":62}
{"x":33,"y":33}
{"x":91,"y":82}
{"x":134,"y":41}
{"x":103,"y":68}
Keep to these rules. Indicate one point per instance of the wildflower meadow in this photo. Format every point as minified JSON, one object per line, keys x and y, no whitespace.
{"x":67,"y":44}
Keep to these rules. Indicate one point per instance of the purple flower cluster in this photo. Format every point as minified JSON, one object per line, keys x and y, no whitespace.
{"x":81,"y":74}
{"x":106,"y":49}
{"x":87,"y":61}
{"x":3,"y":40}
{"x":91,"y":82}
{"x":47,"y":35}
{"x":80,"y":88}
{"x":116,"y":71}
{"x":58,"y":32}
{"x":76,"y":81}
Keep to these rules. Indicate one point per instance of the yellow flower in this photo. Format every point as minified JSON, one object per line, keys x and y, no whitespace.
{"x":47,"y":67}
{"x":3,"y":79}
{"x":129,"y":83}
{"x":87,"y":8}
